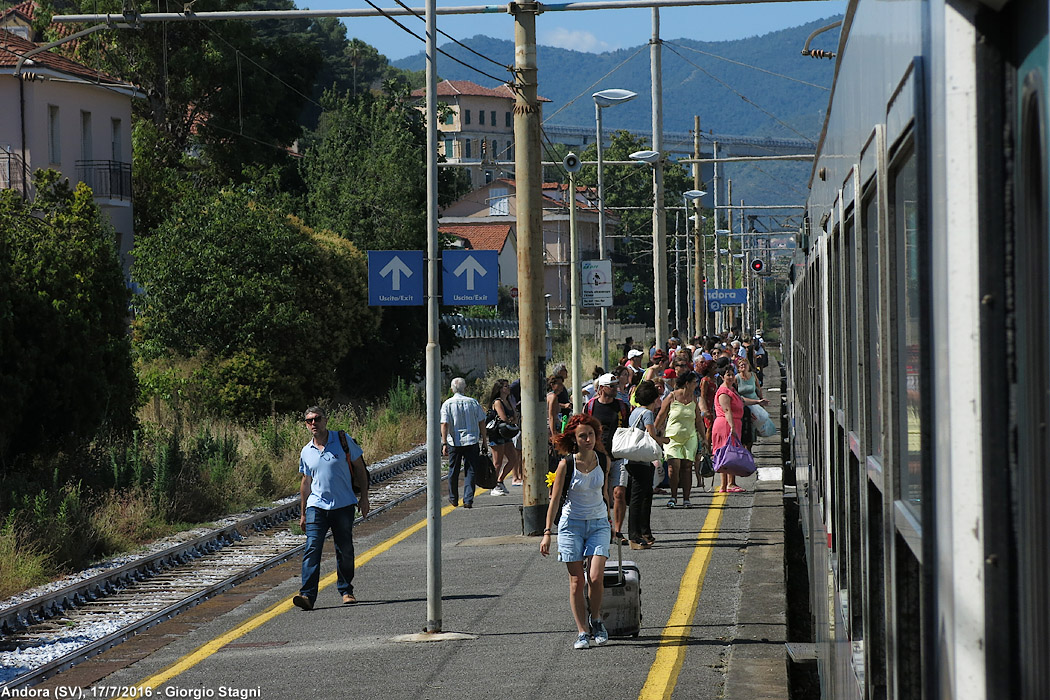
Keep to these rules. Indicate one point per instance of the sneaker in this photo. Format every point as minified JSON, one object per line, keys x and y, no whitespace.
{"x":582,"y":642}
{"x":301,"y":601}
{"x":601,"y":635}
{"x":687,"y":504}
{"x":499,"y":489}
{"x":671,"y":503}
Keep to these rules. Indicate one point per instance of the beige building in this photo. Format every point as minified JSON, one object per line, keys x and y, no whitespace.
{"x":477,"y":128}
{"x":56,"y":113}
{"x":495,"y":204}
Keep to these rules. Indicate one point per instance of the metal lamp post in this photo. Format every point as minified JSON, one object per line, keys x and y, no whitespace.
{"x":693,"y":196}
{"x":659,"y":261}
{"x":605,"y":98}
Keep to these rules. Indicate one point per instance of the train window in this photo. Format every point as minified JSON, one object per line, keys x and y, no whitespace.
{"x":905,"y":220}
{"x":835,"y":320}
{"x":852,"y":335}
{"x":870,"y":246}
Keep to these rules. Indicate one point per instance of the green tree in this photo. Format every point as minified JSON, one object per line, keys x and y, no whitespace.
{"x":632,"y":186}
{"x":365,"y":179}
{"x":270,"y":306}
{"x":65,"y":356}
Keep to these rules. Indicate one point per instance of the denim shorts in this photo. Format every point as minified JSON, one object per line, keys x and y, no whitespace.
{"x":583,"y":538}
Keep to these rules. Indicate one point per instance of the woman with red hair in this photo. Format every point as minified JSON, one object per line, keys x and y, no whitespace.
{"x":581,"y":494}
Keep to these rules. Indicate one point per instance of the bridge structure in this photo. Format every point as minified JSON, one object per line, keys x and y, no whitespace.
{"x":680,"y":143}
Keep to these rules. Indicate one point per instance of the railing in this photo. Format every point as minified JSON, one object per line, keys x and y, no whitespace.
{"x":108,"y":179}
{"x":467,"y":327}
{"x":12,"y":171}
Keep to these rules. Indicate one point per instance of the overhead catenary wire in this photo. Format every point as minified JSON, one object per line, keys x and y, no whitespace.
{"x":389,"y":16}
{"x":748,"y":65}
{"x":751,"y":102}
{"x":455,"y":40}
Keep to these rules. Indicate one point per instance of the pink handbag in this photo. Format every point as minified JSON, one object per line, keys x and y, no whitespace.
{"x":733,"y":458}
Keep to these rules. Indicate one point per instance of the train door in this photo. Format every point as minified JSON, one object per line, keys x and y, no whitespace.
{"x":1031,"y":478}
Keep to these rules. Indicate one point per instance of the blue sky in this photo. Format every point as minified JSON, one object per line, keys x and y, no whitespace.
{"x":593,"y":31}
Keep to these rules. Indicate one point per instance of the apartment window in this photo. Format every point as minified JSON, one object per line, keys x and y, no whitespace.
{"x":117,"y":141}
{"x":466,"y":116}
{"x":481,"y":117}
{"x":450,"y":146}
{"x":510,"y":151}
{"x":54,"y":137}
{"x":495,"y":154}
{"x":450,"y":117}
{"x":85,"y":136}
{"x":466,"y":149}
{"x":492,"y":114}
{"x":510,"y":120}
{"x":498,"y":200}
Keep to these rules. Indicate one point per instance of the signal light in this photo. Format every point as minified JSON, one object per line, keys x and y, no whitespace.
{"x":757,"y":265}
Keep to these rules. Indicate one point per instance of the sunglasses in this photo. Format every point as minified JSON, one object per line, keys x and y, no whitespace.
{"x":315,"y":419}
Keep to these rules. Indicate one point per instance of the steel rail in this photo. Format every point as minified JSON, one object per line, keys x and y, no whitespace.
{"x":63,"y":663}
{"x":49,"y":605}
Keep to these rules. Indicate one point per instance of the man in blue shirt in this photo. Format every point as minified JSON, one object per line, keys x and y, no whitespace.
{"x":462,"y":426}
{"x":327,"y":501}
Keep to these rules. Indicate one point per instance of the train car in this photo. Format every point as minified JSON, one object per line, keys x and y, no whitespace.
{"x":918,"y":355}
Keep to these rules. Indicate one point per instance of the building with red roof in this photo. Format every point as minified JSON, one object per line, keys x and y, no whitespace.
{"x":486,"y":219}
{"x":59,"y":114}
{"x":477,"y":128}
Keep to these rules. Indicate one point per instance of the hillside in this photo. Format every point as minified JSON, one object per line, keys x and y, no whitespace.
{"x":694,"y":83}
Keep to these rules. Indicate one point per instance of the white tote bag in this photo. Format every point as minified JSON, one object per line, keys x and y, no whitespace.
{"x":636,"y":445}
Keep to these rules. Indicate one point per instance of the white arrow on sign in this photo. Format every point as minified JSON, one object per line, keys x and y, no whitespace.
{"x":395,"y":268}
{"x":470,"y":267}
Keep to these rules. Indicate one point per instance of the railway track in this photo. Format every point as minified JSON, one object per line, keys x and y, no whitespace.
{"x":57,"y":630}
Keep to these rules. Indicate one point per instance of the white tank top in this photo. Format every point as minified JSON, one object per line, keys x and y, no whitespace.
{"x":584,"y":498}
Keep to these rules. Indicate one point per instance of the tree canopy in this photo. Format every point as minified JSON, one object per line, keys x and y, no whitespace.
{"x":65,"y":357}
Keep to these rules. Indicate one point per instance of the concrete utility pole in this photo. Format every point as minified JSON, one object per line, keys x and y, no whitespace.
{"x":532,"y":348}
{"x":699,"y":303}
{"x":729,"y":247}
{"x":717,"y":320}
{"x":659,"y":225}
{"x":433,"y":351}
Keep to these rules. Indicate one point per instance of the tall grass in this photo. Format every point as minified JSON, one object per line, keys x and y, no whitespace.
{"x":175,"y":470}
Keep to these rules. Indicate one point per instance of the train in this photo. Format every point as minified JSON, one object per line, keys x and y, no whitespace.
{"x":917,"y":356}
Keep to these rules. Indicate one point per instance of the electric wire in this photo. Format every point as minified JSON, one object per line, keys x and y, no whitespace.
{"x":742,"y":96}
{"x":421,"y":16}
{"x":444,"y":53}
{"x":589,"y":87}
{"x":747,"y":65}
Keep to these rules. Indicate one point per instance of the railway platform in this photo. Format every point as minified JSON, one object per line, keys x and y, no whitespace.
{"x":713,"y":606}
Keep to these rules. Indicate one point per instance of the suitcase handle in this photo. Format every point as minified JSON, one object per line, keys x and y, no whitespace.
{"x":619,"y":556}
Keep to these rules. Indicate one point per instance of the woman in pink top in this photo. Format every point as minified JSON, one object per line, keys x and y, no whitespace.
{"x":729,"y":412}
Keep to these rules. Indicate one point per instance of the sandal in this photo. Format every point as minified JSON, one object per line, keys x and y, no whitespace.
{"x":736,"y":489}
{"x":721,"y":490}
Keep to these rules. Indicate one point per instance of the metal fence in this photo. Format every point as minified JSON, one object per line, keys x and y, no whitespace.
{"x":108,"y":179}
{"x":468,"y":327}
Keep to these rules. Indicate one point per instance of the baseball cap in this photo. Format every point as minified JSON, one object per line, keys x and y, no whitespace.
{"x":607,"y":379}
{"x":633,"y":353}
{"x":670,"y":373}
{"x":659,"y":355}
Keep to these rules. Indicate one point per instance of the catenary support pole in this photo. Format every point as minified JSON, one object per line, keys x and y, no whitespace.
{"x":603,"y":312}
{"x":659,"y":225}
{"x":575,"y":291}
{"x":699,"y":303}
{"x":718,"y":246}
{"x":433,"y":352}
{"x":532,"y":342}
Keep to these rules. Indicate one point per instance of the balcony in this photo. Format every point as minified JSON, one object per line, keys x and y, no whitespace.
{"x":12,"y":171}
{"x":108,"y":179}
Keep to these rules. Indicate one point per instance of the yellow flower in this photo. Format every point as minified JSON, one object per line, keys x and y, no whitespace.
{"x":550,"y":480}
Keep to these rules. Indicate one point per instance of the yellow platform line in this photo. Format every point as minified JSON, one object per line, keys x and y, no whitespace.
{"x":203,"y":652}
{"x":663,"y":674}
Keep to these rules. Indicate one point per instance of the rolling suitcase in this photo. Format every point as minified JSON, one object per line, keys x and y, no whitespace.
{"x":622,"y":600}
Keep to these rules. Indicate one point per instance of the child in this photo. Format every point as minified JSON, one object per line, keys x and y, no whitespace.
{"x":581,"y":492}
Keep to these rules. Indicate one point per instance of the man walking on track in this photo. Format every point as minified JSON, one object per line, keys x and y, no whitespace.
{"x":462,"y":426}
{"x":326,"y":501}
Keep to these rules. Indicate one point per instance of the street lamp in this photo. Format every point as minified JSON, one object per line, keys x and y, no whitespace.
{"x":659,"y":260}
{"x":547,"y":301}
{"x":693,"y":290}
{"x":605,"y":98}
